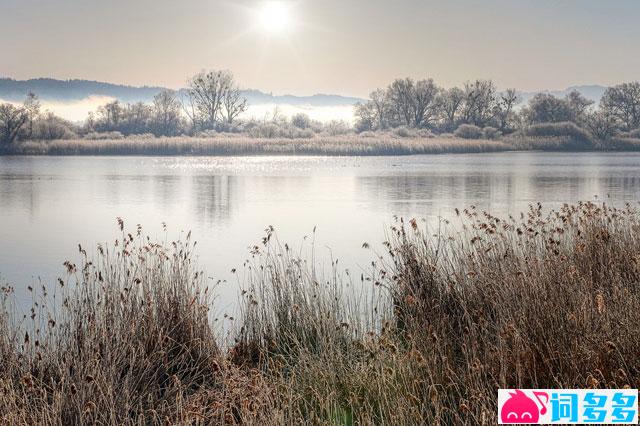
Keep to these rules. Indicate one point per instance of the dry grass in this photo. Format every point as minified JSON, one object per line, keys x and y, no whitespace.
{"x":342,"y":145}
{"x":539,"y":302}
{"x":125,"y":340}
{"x":245,"y":145}
{"x":542,"y":301}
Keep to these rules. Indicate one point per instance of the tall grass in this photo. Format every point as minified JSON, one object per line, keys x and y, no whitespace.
{"x":540,"y":138}
{"x":539,"y":302}
{"x":125,"y":340}
{"x":542,"y":301}
{"x":245,"y":145}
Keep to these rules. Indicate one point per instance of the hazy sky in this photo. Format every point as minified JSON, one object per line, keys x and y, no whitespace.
{"x":330,"y":46}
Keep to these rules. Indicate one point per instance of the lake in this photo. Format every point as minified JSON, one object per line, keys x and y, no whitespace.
{"x":50,"y":204}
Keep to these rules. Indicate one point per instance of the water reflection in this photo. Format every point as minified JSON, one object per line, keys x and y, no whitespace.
{"x":214,"y":198}
{"x":50,"y":204}
{"x":505,"y":193}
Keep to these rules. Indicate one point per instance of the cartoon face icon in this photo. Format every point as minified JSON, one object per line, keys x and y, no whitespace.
{"x":519,"y":408}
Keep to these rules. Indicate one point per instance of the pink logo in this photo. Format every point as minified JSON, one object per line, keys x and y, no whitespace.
{"x":519,"y":408}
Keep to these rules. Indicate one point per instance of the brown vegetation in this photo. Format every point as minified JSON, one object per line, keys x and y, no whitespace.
{"x":542,"y":301}
{"x":232,"y":144}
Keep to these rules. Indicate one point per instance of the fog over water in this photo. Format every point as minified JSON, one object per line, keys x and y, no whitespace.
{"x":77,"y":111}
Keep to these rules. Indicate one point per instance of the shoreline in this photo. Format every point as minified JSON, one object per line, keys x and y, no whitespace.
{"x":333,"y":146}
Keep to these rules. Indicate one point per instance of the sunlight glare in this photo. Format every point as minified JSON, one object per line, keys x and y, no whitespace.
{"x":275,"y":17}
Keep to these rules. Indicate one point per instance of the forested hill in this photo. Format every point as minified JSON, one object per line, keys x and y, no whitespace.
{"x":74,"y":90}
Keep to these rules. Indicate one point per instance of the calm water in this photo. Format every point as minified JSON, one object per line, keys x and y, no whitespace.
{"x":48,"y":204}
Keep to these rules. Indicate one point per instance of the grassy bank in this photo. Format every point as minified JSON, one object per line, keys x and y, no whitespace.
{"x":245,"y":145}
{"x":364,"y":144}
{"x":542,"y":301}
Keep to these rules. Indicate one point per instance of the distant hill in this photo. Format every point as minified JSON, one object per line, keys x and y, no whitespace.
{"x":53,"y":90}
{"x":593,"y":92}
{"x":72,"y":90}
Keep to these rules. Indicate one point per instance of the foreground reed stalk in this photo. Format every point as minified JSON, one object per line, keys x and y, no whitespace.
{"x":541,"y":301}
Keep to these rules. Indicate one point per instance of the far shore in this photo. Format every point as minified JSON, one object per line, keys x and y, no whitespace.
{"x":341,"y":145}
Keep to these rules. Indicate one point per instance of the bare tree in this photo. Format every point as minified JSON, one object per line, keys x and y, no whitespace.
{"x":109,"y":116}
{"x":449,"y":104}
{"x":504,"y":113}
{"x":424,"y":110}
{"x":206,"y":92}
{"x":546,"y":108}
{"x":12,"y":121}
{"x":166,"y":114}
{"x":232,"y":100}
{"x":479,"y":102}
{"x":401,"y":101}
{"x":136,"y":118}
{"x":379,"y":109}
{"x":412,"y":103}
{"x":31,"y":107}
{"x":579,"y":105}
{"x":601,"y":124}
{"x":365,"y":116}
{"x":623,"y":103}
{"x":189,"y":109}
{"x":301,"y":121}
{"x":213,"y":97}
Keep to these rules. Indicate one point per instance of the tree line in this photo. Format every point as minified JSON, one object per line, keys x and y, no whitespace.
{"x":213,"y":101}
{"x":422,"y":104}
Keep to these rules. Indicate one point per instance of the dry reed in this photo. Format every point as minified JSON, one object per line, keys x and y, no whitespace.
{"x":245,"y":145}
{"x":547,"y":300}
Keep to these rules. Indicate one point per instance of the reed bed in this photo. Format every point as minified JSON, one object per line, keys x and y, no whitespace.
{"x":230,"y":144}
{"x":125,"y":339}
{"x":544,"y":300}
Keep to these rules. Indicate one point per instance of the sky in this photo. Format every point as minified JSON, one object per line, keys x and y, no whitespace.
{"x":347,"y":47}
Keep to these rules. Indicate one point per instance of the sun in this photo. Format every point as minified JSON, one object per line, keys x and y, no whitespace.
{"x":275,"y":17}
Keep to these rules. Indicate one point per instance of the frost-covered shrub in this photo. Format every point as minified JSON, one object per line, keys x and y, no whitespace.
{"x":468,"y":131}
{"x":425,"y":133}
{"x":404,"y":132}
{"x":103,"y":135}
{"x":301,"y":121}
{"x":576,"y":137}
{"x":491,"y":133}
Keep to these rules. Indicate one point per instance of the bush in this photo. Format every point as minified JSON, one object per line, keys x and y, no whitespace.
{"x":404,"y":132}
{"x":491,"y":133}
{"x":51,"y":127}
{"x":574,"y":137}
{"x":619,"y":144}
{"x":468,"y":131}
{"x":633,"y":134}
{"x":337,"y":128}
{"x":301,"y":121}
{"x":146,"y":136}
{"x":206,"y":134}
{"x":103,"y":135}
{"x":279,"y":130}
{"x":425,"y":133}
